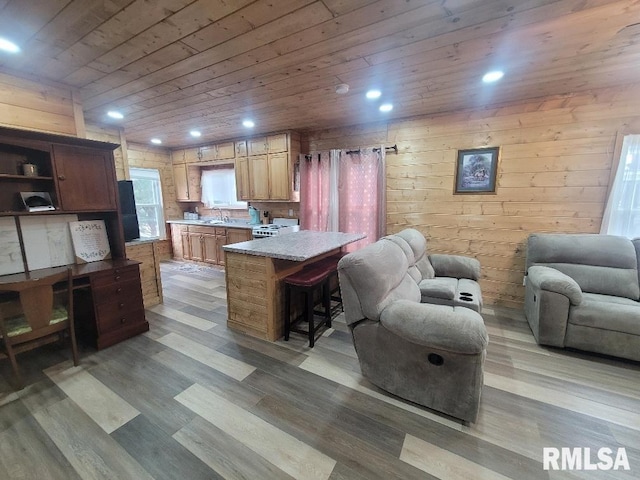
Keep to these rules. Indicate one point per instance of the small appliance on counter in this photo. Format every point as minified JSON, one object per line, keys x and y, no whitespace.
{"x":278,"y":227}
{"x":254,"y":213}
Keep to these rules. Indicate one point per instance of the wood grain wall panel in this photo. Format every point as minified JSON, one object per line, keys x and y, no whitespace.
{"x":41,"y":106}
{"x":553,"y":176}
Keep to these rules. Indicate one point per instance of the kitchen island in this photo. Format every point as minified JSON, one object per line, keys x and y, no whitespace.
{"x":255,"y":271}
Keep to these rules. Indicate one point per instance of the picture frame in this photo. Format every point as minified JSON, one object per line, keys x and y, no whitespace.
{"x":476,"y":171}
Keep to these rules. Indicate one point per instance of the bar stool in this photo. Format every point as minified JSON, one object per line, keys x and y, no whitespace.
{"x":308,"y":281}
{"x":331,"y":265}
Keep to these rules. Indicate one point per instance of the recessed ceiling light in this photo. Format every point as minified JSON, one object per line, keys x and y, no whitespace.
{"x":248,"y":123}
{"x":373,"y":94}
{"x":386,"y":107}
{"x":342,"y":88}
{"x":157,"y":141}
{"x":493,"y":76}
{"x":8,"y":46}
{"x":195,"y":133}
{"x":116,"y":115}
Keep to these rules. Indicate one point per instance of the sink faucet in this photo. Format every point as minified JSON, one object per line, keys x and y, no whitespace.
{"x":219,"y":212}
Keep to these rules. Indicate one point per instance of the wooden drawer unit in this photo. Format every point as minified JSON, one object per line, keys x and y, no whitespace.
{"x":119,"y":310}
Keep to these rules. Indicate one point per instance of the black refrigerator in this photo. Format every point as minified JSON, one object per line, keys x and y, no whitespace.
{"x":128,"y":210}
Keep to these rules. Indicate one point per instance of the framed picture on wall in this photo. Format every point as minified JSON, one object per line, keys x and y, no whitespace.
{"x":476,"y":170}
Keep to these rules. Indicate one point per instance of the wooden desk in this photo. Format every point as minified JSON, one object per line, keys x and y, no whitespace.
{"x":108,"y":304}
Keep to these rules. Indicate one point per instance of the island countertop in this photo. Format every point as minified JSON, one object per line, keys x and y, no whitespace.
{"x":296,"y":246}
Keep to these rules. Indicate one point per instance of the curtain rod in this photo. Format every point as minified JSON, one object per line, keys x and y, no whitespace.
{"x":394,"y":148}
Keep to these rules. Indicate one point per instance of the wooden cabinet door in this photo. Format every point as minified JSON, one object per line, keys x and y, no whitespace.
{"x":86,"y":178}
{"x":243,"y":189}
{"x":209,"y":248}
{"x":206,"y":154}
{"x":221,"y":241}
{"x":194,"y":187}
{"x":237,"y":235}
{"x":279,"y":182}
{"x":277,"y":143}
{"x":225,"y":151}
{"x":257,"y":146}
{"x":181,"y":182}
{"x":259,"y":177}
{"x":196,"y":249}
{"x":176,"y":240}
{"x":186,"y":251}
{"x":241,"y":148}
{"x":178,"y":156}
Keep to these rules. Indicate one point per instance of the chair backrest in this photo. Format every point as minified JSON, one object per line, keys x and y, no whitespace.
{"x":372,"y":277}
{"x":36,"y":297}
{"x":604,"y":264}
{"x":414,"y":246}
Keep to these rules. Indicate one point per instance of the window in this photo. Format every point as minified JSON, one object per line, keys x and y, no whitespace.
{"x":622,"y":214}
{"x":148,"y":194}
{"x":219,"y":188}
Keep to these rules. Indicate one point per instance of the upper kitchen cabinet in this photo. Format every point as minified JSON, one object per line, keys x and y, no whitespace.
{"x":187,"y":182}
{"x":82,"y":176}
{"x":241,"y":148}
{"x":270,"y":174}
{"x":278,"y":143}
{"x":212,"y":154}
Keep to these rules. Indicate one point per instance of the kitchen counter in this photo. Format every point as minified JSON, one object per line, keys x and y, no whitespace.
{"x":296,"y":246}
{"x":255,"y":271}
{"x":214,"y":223}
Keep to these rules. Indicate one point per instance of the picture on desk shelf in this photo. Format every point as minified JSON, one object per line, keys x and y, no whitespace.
{"x":476,"y":170}
{"x":37,"y":201}
{"x":90,"y":241}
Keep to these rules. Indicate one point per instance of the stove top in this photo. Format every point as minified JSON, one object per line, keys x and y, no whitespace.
{"x":278,"y":227}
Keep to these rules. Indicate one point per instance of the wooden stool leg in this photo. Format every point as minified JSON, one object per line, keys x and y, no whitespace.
{"x":326,"y":291}
{"x":308,"y":304}
{"x":287,"y":312}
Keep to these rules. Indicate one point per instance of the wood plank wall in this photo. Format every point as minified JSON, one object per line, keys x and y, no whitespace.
{"x":36,"y":105}
{"x":556,"y":159}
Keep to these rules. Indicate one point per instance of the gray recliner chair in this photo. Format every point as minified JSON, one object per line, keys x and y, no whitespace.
{"x":429,"y":354}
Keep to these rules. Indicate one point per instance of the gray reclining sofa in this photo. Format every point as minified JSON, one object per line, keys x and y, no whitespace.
{"x":582,"y":291}
{"x":426,"y":353}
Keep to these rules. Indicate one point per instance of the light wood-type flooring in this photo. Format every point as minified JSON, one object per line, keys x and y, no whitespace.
{"x":193,"y":400}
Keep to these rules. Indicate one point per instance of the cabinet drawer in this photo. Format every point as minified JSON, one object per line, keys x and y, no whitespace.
{"x":117,"y":292}
{"x":111,"y":320}
{"x":116,"y":275}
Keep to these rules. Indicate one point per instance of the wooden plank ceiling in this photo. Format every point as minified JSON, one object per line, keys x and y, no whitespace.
{"x":174,"y":65}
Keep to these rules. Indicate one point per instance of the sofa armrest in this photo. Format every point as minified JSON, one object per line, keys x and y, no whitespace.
{"x":552,"y":280}
{"x":456,"y":266}
{"x":454,"y":329}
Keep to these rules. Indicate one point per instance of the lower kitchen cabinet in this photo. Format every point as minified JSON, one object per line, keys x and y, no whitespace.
{"x":203,"y":243}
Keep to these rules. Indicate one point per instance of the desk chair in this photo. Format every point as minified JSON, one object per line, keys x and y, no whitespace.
{"x":41,"y":319}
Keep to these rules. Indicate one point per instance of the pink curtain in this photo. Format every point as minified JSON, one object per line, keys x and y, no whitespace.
{"x":361,"y":189}
{"x":357,"y":205}
{"x":314,"y":192}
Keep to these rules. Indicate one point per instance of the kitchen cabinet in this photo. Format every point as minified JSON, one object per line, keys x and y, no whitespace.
{"x":243,"y":189}
{"x":279,"y":179}
{"x":241,"y":148}
{"x":204,"y":243}
{"x":277,"y":143}
{"x":237,"y":235}
{"x":187,"y":182}
{"x":259,"y":177}
{"x":257,"y":146}
{"x":177,"y":231}
{"x":212,"y":153}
